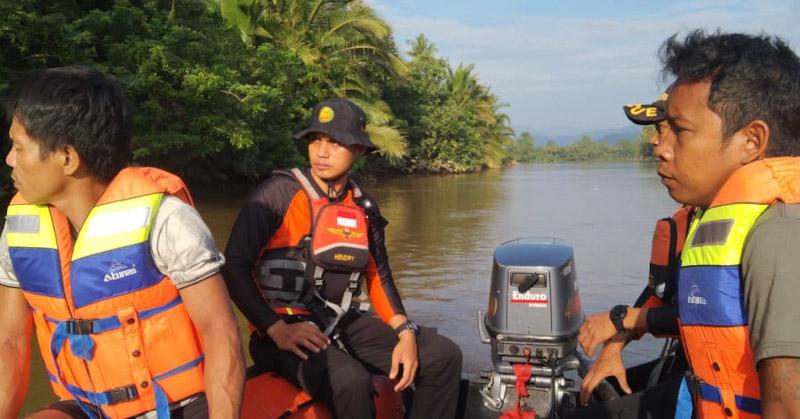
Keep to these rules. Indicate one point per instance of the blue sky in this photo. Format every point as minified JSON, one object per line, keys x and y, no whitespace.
{"x":567,"y":67}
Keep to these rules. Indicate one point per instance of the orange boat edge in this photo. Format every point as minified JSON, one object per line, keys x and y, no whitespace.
{"x":268,"y":396}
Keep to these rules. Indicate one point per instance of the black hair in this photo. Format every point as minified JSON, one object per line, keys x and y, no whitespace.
{"x":75,"y":106}
{"x":752,"y":77}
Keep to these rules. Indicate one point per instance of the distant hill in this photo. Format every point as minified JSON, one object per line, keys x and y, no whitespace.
{"x":611,"y":135}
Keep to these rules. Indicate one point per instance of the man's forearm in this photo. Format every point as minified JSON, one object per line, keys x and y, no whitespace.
{"x":780,"y":387}
{"x":16,"y":326}
{"x":636,"y":319}
{"x":15,"y":358}
{"x":224,"y":364}
{"x":224,"y":373}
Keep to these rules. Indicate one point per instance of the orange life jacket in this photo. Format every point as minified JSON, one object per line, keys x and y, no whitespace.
{"x":335,"y":240}
{"x":713,"y":320}
{"x":668,"y":239}
{"x":669,"y":236}
{"x":112,"y":329}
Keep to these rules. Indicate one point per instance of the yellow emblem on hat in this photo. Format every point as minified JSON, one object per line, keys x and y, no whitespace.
{"x":326,"y":115}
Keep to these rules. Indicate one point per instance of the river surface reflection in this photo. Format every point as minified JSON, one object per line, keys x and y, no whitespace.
{"x":443,"y":229}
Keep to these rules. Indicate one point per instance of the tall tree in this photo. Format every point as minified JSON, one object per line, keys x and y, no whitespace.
{"x":342,"y":42}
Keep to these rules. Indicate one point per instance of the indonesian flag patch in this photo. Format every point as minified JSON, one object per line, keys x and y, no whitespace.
{"x":346,"y":219}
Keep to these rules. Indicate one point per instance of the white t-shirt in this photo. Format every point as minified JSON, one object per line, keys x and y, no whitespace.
{"x":180,"y":242}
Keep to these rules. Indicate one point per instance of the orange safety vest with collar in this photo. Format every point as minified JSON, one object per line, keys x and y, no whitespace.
{"x":334,"y":239}
{"x":112,"y":330}
{"x":713,"y":320}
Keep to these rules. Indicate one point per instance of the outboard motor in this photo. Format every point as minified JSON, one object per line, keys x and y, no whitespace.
{"x":533,"y":318}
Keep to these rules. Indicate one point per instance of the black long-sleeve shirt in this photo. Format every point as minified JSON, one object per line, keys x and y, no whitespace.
{"x":261,"y":217}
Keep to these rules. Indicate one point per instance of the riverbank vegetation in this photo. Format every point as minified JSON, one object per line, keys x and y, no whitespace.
{"x":219,"y":86}
{"x":524,"y":150}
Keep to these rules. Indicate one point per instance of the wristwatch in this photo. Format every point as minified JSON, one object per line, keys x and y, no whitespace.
{"x":407,"y":325}
{"x":617,"y":315}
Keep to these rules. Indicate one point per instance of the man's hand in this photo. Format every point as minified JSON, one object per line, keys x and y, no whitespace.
{"x":609,"y":363}
{"x":405,"y":354}
{"x":597,"y":329}
{"x":294,"y":337}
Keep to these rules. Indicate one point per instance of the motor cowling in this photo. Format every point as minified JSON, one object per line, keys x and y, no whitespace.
{"x":533,"y":317}
{"x":534,"y":302}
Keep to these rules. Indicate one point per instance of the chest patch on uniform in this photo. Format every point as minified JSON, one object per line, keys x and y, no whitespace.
{"x":339,"y":240}
{"x":712,"y":233}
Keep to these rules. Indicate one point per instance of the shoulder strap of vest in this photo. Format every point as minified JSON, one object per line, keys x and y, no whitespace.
{"x":171,"y":183}
{"x":357,"y":194}
{"x":136,"y":181}
{"x":305,"y":183}
{"x":672,"y":262}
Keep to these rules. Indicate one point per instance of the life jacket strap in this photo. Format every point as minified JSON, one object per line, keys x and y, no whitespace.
{"x":82,"y":346}
{"x":91,"y":327}
{"x":106,"y":398}
{"x":713,"y":394}
{"x":345,"y":306}
{"x":129,"y":392}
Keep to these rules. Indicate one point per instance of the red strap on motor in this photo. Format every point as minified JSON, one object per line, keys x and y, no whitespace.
{"x":523,"y":374}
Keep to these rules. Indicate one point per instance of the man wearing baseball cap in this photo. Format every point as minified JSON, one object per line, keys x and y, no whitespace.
{"x":302,"y":246}
{"x":655,"y":383}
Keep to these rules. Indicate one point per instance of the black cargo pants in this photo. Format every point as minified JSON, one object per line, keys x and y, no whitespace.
{"x":344,"y":379}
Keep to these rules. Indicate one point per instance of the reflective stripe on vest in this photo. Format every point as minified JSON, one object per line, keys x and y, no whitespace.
{"x":112,"y":329}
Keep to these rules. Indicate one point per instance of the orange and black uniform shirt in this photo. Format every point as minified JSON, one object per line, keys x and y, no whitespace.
{"x":274,"y":211}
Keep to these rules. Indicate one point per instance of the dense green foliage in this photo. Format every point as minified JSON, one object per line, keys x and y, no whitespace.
{"x":205,"y":106}
{"x":452,"y":121}
{"x":523,"y":149}
{"x":218,"y":86}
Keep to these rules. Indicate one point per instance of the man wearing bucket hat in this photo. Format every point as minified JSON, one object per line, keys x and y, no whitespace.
{"x":655,"y":383}
{"x":310,"y":237}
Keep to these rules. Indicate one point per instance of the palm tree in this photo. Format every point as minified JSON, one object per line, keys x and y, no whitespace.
{"x":342,"y":42}
{"x":494,"y":130}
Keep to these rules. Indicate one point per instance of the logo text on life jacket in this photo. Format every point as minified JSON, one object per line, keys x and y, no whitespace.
{"x":694,"y":297}
{"x":533,"y":299}
{"x":343,"y":257}
{"x":119,"y":271}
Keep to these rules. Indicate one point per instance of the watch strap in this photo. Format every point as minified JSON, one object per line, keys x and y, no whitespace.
{"x":406,"y":325}
{"x":617,"y":315}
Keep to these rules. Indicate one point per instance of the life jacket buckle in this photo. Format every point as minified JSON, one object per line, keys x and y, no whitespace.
{"x":122,"y":394}
{"x":693,"y":383}
{"x":80,"y":327}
